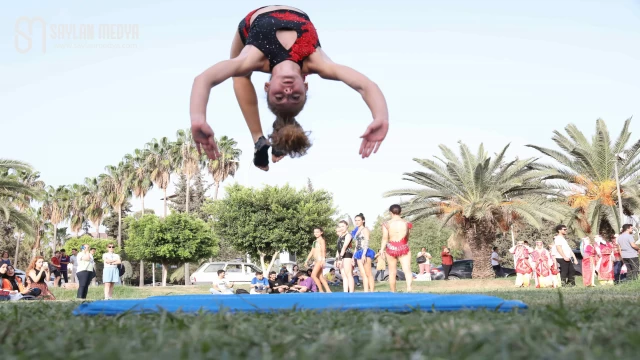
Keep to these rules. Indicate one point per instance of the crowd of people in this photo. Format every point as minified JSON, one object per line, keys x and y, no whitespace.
{"x":40,"y":274}
{"x":605,"y":260}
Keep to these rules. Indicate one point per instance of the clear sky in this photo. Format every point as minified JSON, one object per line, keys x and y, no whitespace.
{"x":486,"y":71}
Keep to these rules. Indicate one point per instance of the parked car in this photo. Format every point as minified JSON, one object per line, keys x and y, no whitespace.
{"x":578,"y":266}
{"x":462,"y":269}
{"x":236,"y":271}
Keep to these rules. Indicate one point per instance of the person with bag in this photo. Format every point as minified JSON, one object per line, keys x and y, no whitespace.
{"x":13,"y":284}
{"x":85,"y":271}
{"x":424,"y":262}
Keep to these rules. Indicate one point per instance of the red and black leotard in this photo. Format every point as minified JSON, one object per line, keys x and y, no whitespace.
{"x":262,"y":34}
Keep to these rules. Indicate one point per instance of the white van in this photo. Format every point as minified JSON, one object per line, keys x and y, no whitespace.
{"x":237,"y":272}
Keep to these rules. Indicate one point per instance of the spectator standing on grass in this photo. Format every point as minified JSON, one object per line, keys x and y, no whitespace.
{"x":55,"y":268}
{"x":447,"y":261}
{"x":565,"y":257}
{"x":617,"y":259}
{"x":73,"y":260}
{"x":495,"y":262}
{"x":110,"y":272}
{"x":424,"y":261}
{"x":259,"y":284}
{"x":86,"y":271}
{"x":221,"y":286}
{"x":64,"y":262}
{"x":5,"y":258}
{"x":37,"y":274}
{"x":629,"y":251}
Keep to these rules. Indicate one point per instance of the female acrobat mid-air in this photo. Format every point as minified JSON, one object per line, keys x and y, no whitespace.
{"x":282,"y":41}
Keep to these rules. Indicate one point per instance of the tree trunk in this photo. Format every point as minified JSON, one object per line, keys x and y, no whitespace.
{"x":55,"y":238}
{"x":458,"y":241}
{"x":36,"y":245}
{"x":142,"y":262}
{"x":273,"y":260}
{"x":187,"y":278}
{"x":164,"y":274}
{"x":165,"y":202}
{"x":141,"y":273}
{"x":118,"y":208}
{"x":153,"y":274}
{"x":15,"y":261}
{"x":215,"y":192}
{"x":481,"y":237}
{"x":262,"y":262}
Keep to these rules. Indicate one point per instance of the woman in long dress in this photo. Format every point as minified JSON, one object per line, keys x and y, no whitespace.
{"x":523,"y":265}
{"x":589,"y":260}
{"x":605,"y":270}
{"x":542,"y":264}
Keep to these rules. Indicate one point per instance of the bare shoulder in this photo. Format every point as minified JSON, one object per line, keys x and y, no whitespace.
{"x":318,"y":63}
{"x":253,"y":59}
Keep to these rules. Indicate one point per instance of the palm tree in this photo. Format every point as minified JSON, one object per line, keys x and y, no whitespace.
{"x":15,"y":194}
{"x":226,"y":165}
{"x":186,"y":159}
{"x":476,"y":196}
{"x":140,"y":184}
{"x":32,"y":180}
{"x":38,"y":224}
{"x":116,"y":190}
{"x":56,"y":209}
{"x":158,"y":160}
{"x":588,"y":167}
{"x":96,"y":205}
{"x":78,"y":204}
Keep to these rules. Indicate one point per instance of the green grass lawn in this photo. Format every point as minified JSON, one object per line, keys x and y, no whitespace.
{"x":575,"y":323}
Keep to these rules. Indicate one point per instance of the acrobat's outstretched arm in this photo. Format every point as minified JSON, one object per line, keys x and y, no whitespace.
{"x":322,"y":65}
{"x":241,"y":65}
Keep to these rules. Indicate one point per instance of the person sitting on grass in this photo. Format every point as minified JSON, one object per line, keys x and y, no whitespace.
{"x":276,"y":284}
{"x":221,"y":286}
{"x":331,"y":278}
{"x":37,"y":275}
{"x":13,"y":283}
{"x":259,"y":285}
{"x":306,"y":283}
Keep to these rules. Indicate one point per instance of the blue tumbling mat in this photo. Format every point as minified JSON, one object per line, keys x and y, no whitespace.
{"x":287,"y":302}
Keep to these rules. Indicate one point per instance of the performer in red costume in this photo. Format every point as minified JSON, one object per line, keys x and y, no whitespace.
{"x":395,"y":245}
{"x":282,"y":41}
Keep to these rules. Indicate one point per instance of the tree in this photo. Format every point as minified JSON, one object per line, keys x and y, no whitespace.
{"x":588,"y":168}
{"x":15,"y":194}
{"x":140,"y":184}
{"x":111,"y":222}
{"x":77,"y":207}
{"x":226,"y":165}
{"x":176,"y":239}
{"x":56,"y":209}
{"x":116,"y":190}
{"x":427,"y":233}
{"x":96,"y":204}
{"x":159,"y":163}
{"x":263,"y":222}
{"x":197,"y":196}
{"x":477,"y":196}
